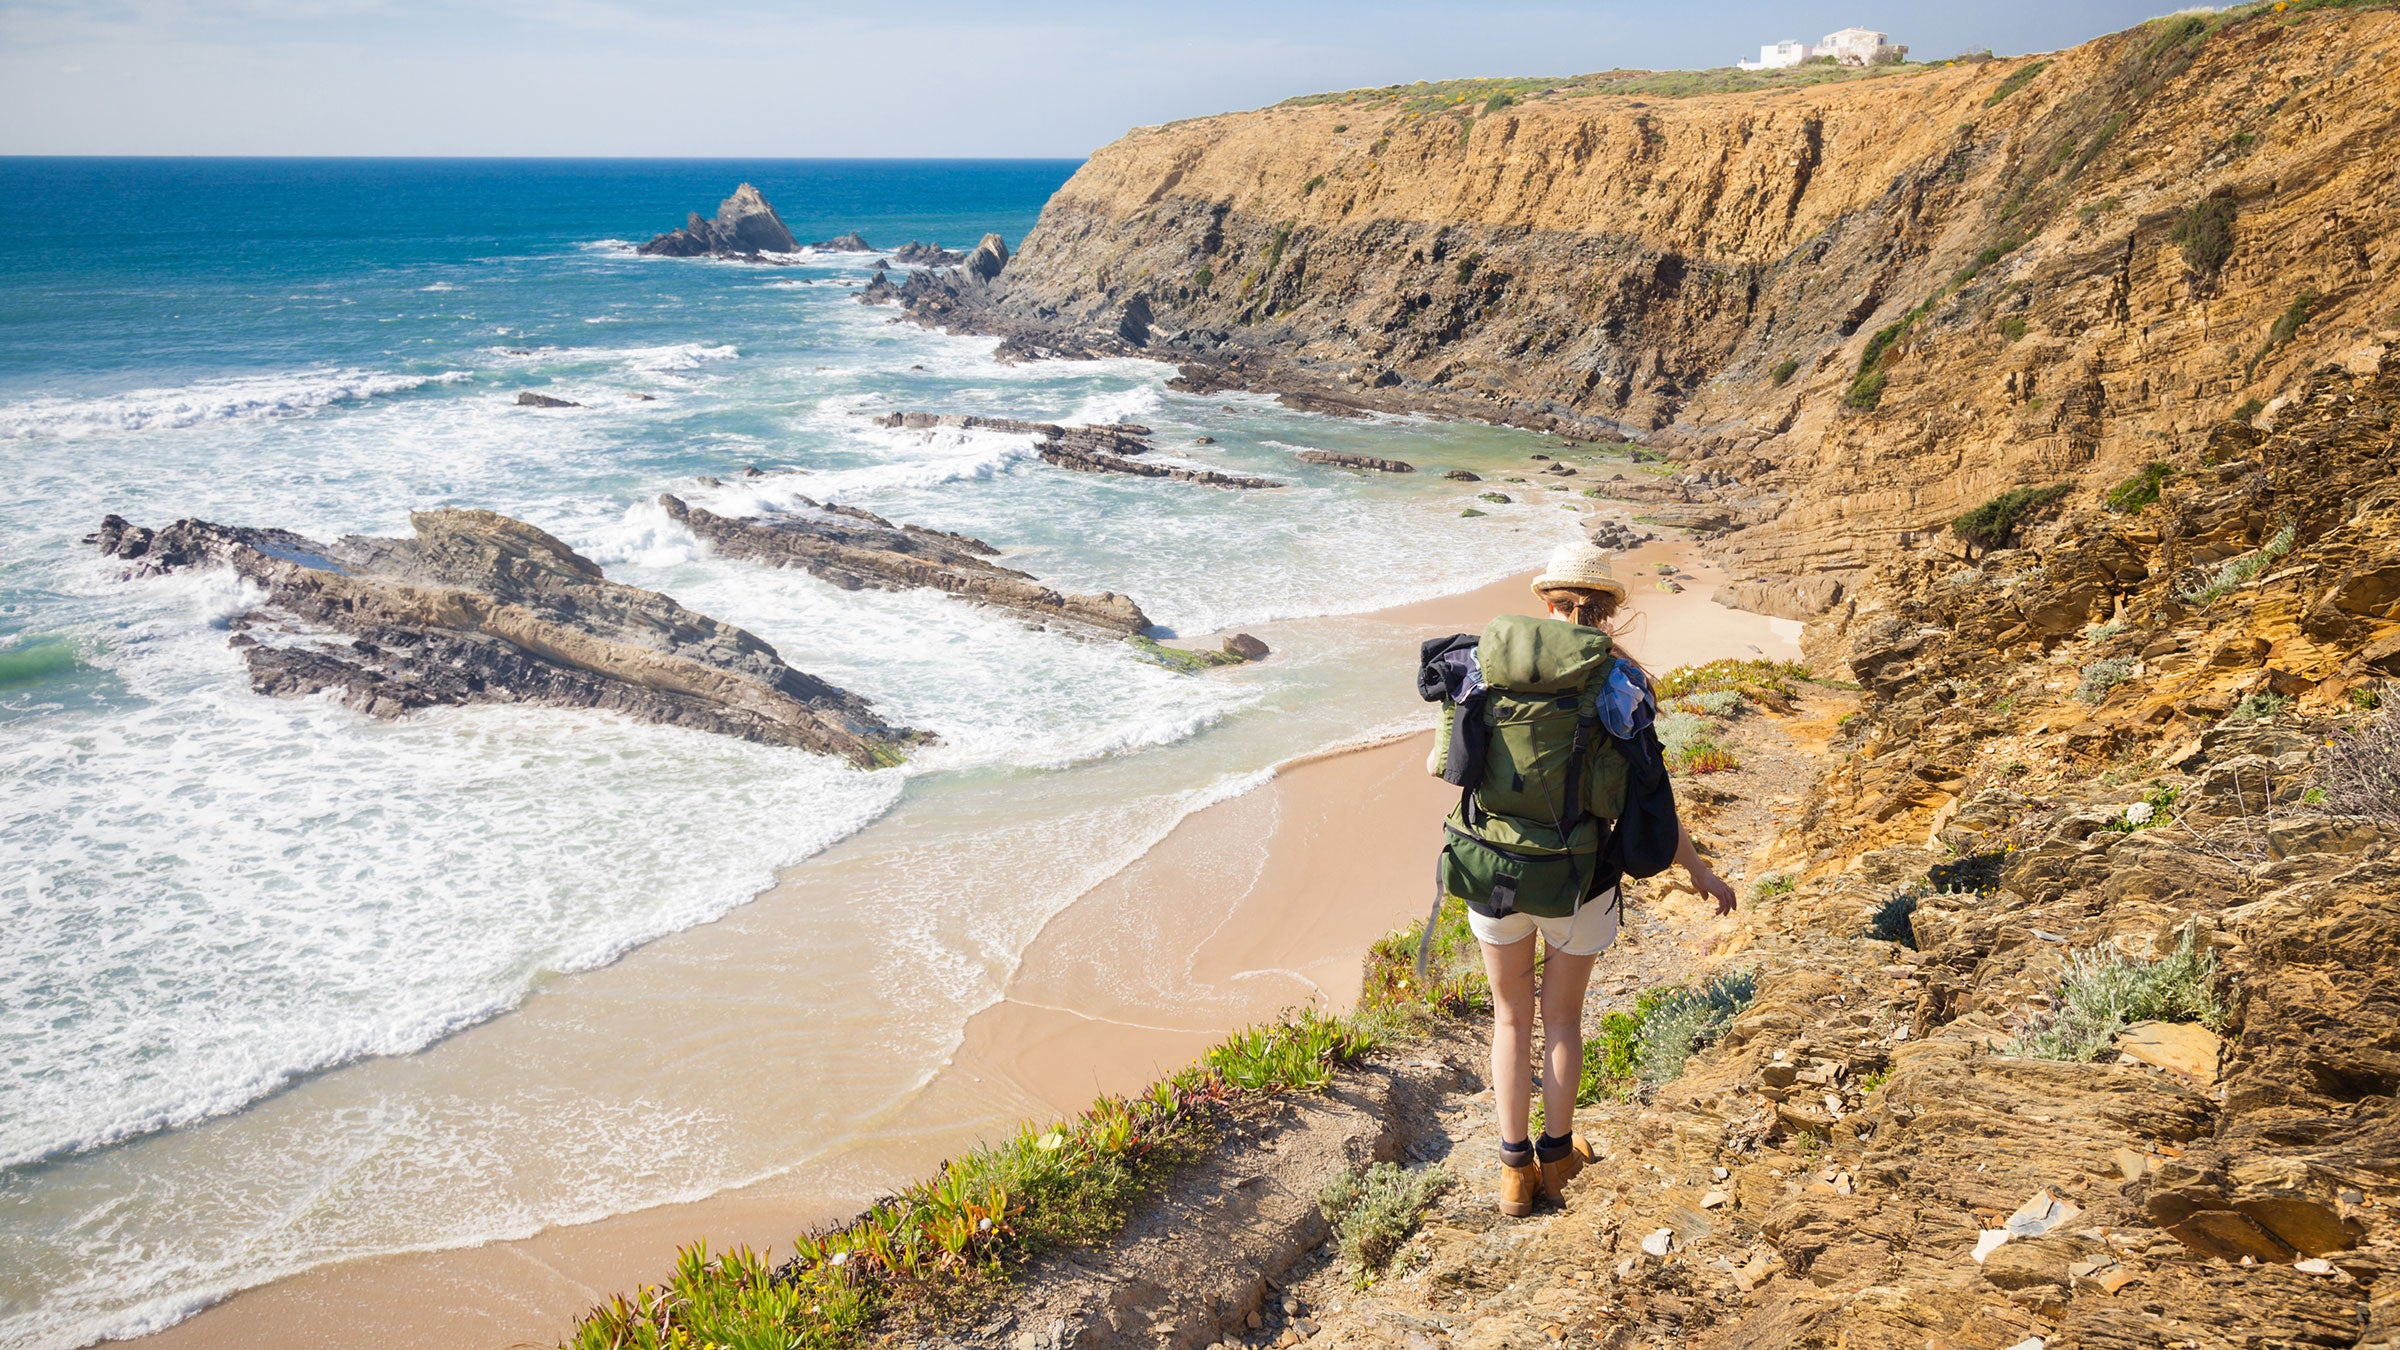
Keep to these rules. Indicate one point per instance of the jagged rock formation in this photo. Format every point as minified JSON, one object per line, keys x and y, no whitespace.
{"x":1069,"y":455}
{"x":1102,"y":448}
{"x":914,"y":254}
{"x":530,"y":399}
{"x":852,"y":242}
{"x":2019,"y":248}
{"x":990,"y":255}
{"x":744,"y":227}
{"x":855,"y":549}
{"x":479,"y":608}
{"x":1370,"y":463}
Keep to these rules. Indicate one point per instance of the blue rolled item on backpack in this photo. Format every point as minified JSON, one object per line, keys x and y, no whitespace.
{"x":1626,"y":703}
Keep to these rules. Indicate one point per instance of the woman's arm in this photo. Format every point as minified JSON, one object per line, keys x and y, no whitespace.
{"x":1704,"y":877}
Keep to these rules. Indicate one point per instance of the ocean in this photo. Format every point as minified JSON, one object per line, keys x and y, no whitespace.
{"x":237,"y":924}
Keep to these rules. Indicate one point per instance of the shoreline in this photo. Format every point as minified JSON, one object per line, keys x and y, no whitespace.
{"x":1212,"y":946}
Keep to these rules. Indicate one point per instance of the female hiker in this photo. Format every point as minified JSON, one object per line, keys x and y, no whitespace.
{"x":1547,"y":731}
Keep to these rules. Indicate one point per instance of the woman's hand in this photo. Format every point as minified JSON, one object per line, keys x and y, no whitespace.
{"x":1706,"y":881}
{"x":1704,"y":877}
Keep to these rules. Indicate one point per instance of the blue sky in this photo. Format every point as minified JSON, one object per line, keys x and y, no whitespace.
{"x":750,"y":78}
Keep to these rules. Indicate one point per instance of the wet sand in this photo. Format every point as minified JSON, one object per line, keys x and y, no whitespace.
{"x":1258,"y":903}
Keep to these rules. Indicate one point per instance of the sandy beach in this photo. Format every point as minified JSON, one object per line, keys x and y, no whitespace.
{"x":1260,"y":902}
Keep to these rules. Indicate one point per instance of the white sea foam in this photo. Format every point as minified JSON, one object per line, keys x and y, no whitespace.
{"x":206,"y":401}
{"x":329,"y":887}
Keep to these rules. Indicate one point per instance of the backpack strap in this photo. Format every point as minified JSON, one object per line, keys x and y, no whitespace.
{"x":1587,"y":730}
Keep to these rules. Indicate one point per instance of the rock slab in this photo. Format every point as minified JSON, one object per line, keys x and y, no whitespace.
{"x":480,"y":608}
{"x":857,"y":549}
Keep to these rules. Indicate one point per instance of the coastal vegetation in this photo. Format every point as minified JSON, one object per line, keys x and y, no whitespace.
{"x":1373,"y":1210}
{"x":2017,"y":79}
{"x":2205,"y":234}
{"x":2105,"y":990}
{"x":1489,"y":96}
{"x":1995,"y":523}
{"x":2232,"y":574}
{"x":2141,"y":490}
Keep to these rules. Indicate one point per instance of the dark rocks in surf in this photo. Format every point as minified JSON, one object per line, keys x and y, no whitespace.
{"x":480,"y":608}
{"x":856,"y":549}
{"x":1340,"y":460}
{"x":848,"y":243}
{"x":914,"y":254}
{"x":530,"y":399}
{"x":744,"y":227}
{"x":1104,"y":448}
{"x":1463,"y":476}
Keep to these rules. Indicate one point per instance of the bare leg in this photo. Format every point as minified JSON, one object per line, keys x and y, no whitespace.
{"x":1564,"y":980}
{"x":1510,"y":970}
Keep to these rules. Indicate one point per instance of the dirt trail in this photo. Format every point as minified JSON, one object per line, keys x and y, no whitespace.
{"x":1240,"y":1237}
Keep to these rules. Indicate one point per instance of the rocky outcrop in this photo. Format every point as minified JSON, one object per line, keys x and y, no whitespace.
{"x":855,"y":549}
{"x":2004,"y":242}
{"x":1370,"y":463}
{"x":989,"y":257}
{"x":744,"y":227}
{"x":1780,"y":597}
{"x":852,"y":242}
{"x":480,"y":608}
{"x":1067,"y":455}
{"x":530,"y":399}
{"x":1101,"y":448}
{"x":914,"y":254}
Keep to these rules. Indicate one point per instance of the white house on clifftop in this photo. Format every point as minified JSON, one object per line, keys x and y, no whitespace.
{"x":1861,"y":47}
{"x":1849,"y":47}
{"x":1778,"y":55}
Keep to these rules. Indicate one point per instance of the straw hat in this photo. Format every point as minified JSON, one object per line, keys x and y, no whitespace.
{"x":1578,"y":565}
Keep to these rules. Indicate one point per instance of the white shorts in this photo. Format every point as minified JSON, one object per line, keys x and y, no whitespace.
{"x":1590,"y":931}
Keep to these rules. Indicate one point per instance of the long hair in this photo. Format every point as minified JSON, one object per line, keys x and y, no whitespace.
{"x":1594,"y":609}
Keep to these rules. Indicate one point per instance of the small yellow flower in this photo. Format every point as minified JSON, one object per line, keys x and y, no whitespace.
{"x":1051,"y":1142}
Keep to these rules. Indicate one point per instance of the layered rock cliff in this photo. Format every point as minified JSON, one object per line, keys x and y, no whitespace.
{"x":1869,"y":303}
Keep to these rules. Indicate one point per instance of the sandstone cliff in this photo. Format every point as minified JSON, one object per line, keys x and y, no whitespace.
{"x":2052,"y":267}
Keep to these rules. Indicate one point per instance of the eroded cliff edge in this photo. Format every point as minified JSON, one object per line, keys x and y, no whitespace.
{"x":2057,"y":266}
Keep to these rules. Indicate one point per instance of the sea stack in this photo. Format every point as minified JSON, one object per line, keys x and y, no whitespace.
{"x":745,"y":227}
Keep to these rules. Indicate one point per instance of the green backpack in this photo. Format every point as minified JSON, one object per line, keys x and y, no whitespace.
{"x":1533,"y":818}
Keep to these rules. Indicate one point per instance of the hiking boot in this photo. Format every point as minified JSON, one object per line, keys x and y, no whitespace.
{"x":1518,"y":1187}
{"x":1558,"y":1171}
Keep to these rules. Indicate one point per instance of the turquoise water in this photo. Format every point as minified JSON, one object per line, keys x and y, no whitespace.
{"x":213,"y":897}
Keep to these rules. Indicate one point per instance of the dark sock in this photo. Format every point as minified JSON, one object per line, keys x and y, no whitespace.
{"x":1515,"y":1155}
{"x":1550,"y":1149}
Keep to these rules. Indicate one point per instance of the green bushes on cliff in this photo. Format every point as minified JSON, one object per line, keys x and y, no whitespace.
{"x":2016,"y":80}
{"x":1783,"y":371}
{"x":2205,"y":234}
{"x":2105,"y":991}
{"x":1995,"y":523}
{"x":2140,"y":490}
